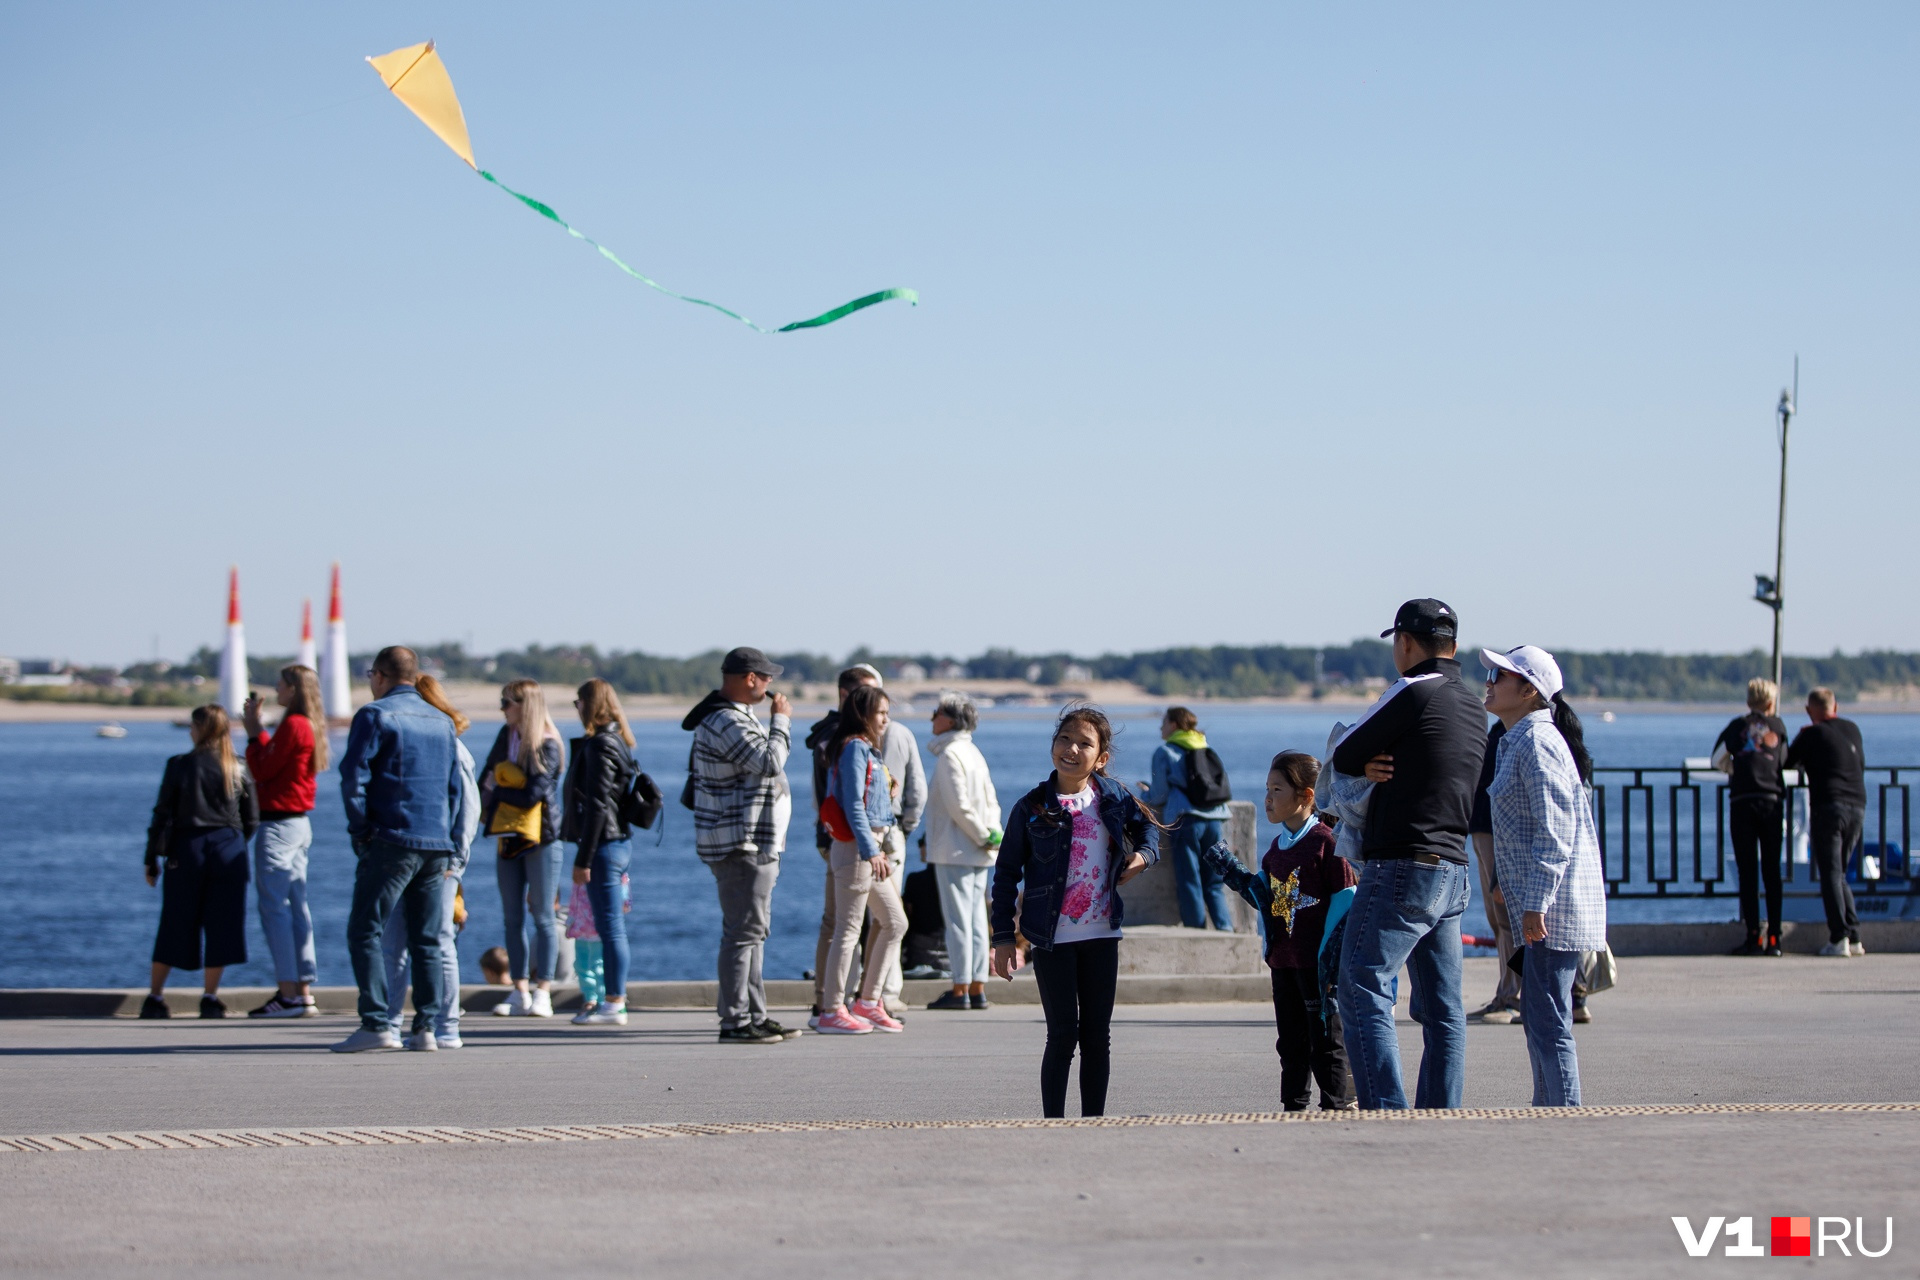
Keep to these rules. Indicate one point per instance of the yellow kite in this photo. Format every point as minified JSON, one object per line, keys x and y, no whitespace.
{"x":419,"y":79}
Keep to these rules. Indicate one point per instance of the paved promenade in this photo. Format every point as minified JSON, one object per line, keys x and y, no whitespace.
{"x":1571,"y":1195}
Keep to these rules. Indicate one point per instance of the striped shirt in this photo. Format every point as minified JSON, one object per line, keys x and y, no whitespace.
{"x":1546,"y":851}
{"x":739,"y":772}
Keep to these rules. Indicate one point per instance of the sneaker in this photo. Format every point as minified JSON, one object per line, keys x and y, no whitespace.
{"x":1496,"y":1013}
{"x":212,"y":1007}
{"x":950,"y":1000}
{"x":839,"y":1022}
{"x":894,"y":1005}
{"x":1773,"y":945}
{"x":423,"y":1042}
{"x":363,"y":1040}
{"x":451,"y":1040}
{"x":813,"y":1023}
{"x":281,"y":1007}
{"x":1581,"y":1014}
{"x":1840,"y":948}
{"x":154,"y":1007}
{"x":603,"y":1014}
{"x":755,"y":1034}
{"x":876,"y":1014}
{"x":978,"y":1001}
{"x":773,"y":1028}
{"x":1856,"y":948}
{"x":542,"y":1005}
{"x":517,"y":1004}
{"x":1751,"y":947}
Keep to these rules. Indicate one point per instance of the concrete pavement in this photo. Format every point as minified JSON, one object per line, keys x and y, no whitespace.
{"x":1587,"y":1196}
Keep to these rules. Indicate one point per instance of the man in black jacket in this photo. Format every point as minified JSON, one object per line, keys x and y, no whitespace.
{"x":1422,"y":744}
{"x":1835,"y":761}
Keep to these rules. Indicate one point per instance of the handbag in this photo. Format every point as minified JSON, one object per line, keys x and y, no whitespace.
{"x":834,"y":817}
{"x":511,"y":819}
{"x":1599,"y":971}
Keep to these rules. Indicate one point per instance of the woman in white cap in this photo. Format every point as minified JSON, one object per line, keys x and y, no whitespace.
{"x":1547,"y":855}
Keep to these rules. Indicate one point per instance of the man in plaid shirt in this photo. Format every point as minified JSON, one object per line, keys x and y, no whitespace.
{"x":740,"y":810}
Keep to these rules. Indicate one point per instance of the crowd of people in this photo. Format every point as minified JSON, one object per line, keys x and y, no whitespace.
{"x":1366,"y":876}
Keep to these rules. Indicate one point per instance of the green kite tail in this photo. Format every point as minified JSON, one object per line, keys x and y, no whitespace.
{"x":825,"y":317}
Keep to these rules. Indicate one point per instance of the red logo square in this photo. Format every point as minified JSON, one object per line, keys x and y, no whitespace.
{"x":1793,"y":1237}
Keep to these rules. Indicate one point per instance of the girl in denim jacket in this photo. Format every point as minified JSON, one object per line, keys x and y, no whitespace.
{"x":1072,"y":842}
{"x":858,"y":814}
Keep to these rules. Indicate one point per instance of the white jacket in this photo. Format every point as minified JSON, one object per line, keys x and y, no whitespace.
{"x":962,"y":809}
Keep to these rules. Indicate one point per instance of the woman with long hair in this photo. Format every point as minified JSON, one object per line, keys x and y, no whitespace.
{"x":202,"y":821}
{"x":1546,"y":854}
{"x":449,"y":917}
{"x":597,"y":779}
{"x":1070,"y":843}
{"x":286,"y":769}
{"x":858,"y":813}
{"x":522,"y":773}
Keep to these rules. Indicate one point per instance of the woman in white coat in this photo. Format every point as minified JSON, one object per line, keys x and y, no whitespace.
{"x":962,"y":840}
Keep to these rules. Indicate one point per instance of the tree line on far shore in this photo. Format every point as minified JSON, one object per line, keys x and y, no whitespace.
{"x":1227,"y":671}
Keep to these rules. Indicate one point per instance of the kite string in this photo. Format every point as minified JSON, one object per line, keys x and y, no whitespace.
{"x":825,"y":318}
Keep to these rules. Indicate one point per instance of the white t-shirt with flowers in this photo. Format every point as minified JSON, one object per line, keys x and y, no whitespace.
{"x":1086,"y":911}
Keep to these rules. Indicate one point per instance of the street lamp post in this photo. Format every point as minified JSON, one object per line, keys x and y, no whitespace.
{"x":1767,"y":590}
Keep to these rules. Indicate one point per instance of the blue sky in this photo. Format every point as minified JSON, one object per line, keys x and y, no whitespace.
{"x":1237,"y":326}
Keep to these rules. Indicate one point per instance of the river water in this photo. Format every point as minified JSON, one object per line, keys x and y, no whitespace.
{"x":74,"y":809}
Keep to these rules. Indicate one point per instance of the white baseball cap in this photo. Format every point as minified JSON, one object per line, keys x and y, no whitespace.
{"x":1531,"y":663}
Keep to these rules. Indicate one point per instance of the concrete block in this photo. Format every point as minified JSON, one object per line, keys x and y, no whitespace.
{"x":1150,"y":896}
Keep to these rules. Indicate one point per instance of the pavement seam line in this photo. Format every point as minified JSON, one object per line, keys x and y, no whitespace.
{"x":456,"y":1135}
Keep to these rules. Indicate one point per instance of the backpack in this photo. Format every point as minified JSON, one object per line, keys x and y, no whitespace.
{"x":834,"y":817}
{"x":641,"y":801}
{"x":1206,"y":779}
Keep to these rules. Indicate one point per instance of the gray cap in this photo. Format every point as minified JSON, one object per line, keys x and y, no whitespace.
{"x":748,"y":660}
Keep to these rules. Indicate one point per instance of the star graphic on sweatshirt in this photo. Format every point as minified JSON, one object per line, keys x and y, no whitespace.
{"x":1288,"y":901}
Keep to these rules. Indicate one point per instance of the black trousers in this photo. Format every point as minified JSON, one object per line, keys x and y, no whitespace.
{"x":1309,"y":1050}
{"x":1835,"y":835}
{"x":1077,"y":981}
{"x":1756,"y":824}
{"x":203,"y":890}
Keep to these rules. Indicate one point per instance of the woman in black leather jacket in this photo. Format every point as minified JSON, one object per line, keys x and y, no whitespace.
{"x":597,"y":780}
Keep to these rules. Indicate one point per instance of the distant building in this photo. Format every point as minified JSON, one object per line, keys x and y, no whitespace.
{"x":949,"y":670}
{"x":909,"y":672}
{"x":40,"y":673}
{"x":1075,"y":673}
{"x":9,"y":670}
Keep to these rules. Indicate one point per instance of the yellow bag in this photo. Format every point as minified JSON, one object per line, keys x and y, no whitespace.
{"x":511,"y":819}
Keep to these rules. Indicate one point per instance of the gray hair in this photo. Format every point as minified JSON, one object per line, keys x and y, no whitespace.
{"x":959,"y":708}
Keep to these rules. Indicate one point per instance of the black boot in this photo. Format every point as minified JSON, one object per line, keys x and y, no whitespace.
{"x":1751,"y":947}
{"x":1773,"y":943}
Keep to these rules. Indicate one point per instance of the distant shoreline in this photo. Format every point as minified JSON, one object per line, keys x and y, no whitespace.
{"x":480,"y":702}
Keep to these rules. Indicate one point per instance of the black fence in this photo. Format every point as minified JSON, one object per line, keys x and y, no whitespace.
{"x":1665,"y":832}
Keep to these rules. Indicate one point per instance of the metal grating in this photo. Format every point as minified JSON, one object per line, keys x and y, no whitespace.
{"x":455,"y":1136}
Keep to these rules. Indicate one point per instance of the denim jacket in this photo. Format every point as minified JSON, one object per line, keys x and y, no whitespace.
{"x":857,"y":796}
{"x":1036,"y":851}
{"x":400,"y":776}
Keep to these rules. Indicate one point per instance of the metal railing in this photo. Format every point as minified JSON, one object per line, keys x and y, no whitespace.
{"x":1666,"y":832}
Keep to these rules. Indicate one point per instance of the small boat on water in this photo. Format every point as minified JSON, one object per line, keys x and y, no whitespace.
{"x":111,"y":730}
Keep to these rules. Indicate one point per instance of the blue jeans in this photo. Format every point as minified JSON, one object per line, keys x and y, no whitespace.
{"x":393,"y":943}
{"x":1546,"y":1006}
{"x":1200,"y":890}
{"x":1404,"y":912}
{"x":527,"y":886}
{"x":280,"y":884}
{"x":609,"y":913}
{"x":386,"y":876}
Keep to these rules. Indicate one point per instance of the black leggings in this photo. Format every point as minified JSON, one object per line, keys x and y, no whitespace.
{"x":1756,"y":852}
{"x":1077,"y":982}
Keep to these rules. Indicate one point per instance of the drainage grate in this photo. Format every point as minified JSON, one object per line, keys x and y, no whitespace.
{"x":453,"y":1136}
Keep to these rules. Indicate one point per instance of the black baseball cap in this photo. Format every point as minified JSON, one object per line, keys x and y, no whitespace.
{"x":747,"y":660}
{"x":1425,"y":618}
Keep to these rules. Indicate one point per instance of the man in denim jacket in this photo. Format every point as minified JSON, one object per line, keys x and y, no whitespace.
{"x":401,"y":784}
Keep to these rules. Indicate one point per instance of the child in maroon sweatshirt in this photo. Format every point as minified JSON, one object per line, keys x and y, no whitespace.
{"x":1298,"y":878}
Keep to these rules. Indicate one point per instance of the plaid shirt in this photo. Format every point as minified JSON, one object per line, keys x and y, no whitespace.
{"x":739,"y":771}
{"x":1545,"y":849}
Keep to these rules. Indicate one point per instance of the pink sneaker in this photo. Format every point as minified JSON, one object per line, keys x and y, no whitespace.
{"x":839,"y":1022}
{"x":871,"y":1011}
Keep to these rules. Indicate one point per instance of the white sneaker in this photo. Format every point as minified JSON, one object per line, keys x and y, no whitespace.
{"x":542,"y":1006}
{"x":363,"y":1040}
{"x":423,"y":1042}
{"x":1839,"y":948}
{"x":1856,"y":948}
{"x":452,"y":1041}
{"x":603,"y":1014}
{"x":517,"y":1004}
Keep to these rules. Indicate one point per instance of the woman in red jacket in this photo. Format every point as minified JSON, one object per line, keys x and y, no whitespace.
{"x":285,"y":768}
